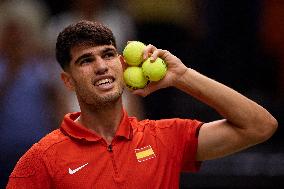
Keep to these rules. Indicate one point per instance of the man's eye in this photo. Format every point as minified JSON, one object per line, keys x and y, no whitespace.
{"x":109,"y":55}
{"x":86,"y":60}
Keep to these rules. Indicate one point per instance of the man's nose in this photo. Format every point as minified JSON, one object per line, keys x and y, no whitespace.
{"x":101,"y":66}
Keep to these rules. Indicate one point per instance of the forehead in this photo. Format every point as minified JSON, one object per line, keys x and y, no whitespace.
{"x":77,"y":51}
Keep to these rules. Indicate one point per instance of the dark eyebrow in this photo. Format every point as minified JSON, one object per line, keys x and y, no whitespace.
{"x":108,"y":49}
{"x":87,"y":55}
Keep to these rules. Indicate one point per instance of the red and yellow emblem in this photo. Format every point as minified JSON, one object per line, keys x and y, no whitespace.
{"x":145,"y":153}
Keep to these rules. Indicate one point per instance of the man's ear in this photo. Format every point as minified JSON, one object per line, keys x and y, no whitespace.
{"x":68,"y":81}
{"x":123,"y":62}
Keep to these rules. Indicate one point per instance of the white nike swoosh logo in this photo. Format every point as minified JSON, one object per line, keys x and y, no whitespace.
{"x":71,"y":172}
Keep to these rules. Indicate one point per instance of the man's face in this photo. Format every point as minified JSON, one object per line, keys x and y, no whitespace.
{"x":96,"y":74}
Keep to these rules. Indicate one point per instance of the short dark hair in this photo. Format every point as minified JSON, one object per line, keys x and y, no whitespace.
{"x":81,"y":33}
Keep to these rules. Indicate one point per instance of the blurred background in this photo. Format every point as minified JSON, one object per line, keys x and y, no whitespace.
{"x":238,"y":42}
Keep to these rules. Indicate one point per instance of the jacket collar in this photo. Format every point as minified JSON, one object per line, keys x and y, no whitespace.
{"x":78,"y":131}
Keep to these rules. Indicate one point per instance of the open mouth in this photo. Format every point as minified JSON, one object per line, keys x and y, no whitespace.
{"x":104,"y":82}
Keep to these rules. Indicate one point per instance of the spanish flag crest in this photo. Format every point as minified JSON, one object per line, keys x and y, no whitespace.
{"x":144,"y":153}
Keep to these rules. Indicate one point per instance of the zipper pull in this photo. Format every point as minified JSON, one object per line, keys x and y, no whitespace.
{"x":109,"y":148}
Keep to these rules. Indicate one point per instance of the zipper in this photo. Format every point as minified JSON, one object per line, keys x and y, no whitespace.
{"x":110,"y":150}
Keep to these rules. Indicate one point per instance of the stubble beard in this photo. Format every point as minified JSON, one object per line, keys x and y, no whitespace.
{"x":94,"y":101}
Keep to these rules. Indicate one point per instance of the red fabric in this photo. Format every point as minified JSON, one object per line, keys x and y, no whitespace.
{"x":146,"y":154}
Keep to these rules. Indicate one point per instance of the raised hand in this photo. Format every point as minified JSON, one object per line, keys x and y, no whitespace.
{"x":175,"y":70}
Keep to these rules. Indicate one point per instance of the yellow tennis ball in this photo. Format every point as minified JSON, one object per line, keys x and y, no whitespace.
{"x":154,"y":71}
{"x":133,"y":53}
{"x":134,"y":78}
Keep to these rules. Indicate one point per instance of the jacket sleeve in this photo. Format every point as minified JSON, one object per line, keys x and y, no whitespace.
{"x":189,"y":163}
{"x":30,"y":171}
{"x":181,"y":137}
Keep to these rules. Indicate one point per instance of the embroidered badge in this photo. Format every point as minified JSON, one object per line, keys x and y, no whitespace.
{"x":145,"y":153}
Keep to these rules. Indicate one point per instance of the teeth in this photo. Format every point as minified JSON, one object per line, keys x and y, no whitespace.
{"x":104,"y":81}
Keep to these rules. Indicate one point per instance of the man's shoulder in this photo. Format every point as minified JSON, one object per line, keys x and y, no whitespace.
{"x":161,"y":123}
{"x":50,"y":140}
{"x":34,"y":157}
{"x":170,"y":125}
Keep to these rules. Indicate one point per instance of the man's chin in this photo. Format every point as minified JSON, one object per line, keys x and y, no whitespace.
{"x":110,"y":99}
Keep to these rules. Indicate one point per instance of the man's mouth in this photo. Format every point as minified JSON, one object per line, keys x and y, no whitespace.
{"x":105,"y":81}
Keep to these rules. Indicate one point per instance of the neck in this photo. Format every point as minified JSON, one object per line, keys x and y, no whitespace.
{"x":104,"y":120}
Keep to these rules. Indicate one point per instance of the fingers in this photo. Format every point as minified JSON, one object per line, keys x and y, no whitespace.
{"x":152,"y":52}
{"x":148,"y":51}
{"x":163,"y":54}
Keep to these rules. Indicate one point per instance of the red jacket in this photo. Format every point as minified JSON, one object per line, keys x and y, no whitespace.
{"x":146,"y":154}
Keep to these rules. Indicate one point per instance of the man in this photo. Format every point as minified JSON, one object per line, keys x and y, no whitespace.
{"x":101,"y":147}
